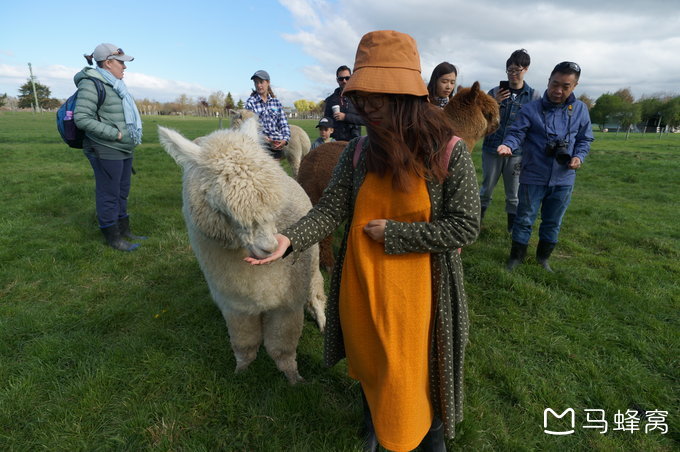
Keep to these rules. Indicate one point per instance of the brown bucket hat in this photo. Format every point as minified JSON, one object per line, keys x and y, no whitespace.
{"x":388,"y":62}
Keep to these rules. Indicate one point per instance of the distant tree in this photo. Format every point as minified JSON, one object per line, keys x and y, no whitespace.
{"x":605,"y":108}
{"x":240,"y":105}
{"x":229,"y":102}
{"x":671,"y":111}
{"x":650,"y":111}
{"x":51,"y":104}
{"x":216,"y":102}
{"x":203,"y":106}
{"x":26,"y":98}
{"x":625,"y":95}
{"x":302,"y":106}
{"x":586,"y":100}
{"x":3,"y":100}
{"x":183,"y":104}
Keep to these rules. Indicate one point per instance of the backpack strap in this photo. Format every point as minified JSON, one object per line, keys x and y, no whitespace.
{"x":357,"y":151}
{"x":101,"y":93}
{"x":449,"y":149}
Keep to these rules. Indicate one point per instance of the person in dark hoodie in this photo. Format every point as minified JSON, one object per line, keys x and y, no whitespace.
{"x":111,"y":133}
{"x":347,"y":122}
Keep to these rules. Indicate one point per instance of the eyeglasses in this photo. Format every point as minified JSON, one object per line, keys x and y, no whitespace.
{"x":343,"y":79}
{"x":116,"y":53}
{"x":374,"y":101}
{"x":514,"y":71}
{"x":568,"y":65}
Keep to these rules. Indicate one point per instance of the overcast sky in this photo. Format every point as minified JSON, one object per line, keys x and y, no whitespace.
{"x":200,"y":47}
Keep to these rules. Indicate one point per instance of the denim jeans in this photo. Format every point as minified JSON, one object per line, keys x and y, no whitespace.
{"x":553,"y":202}
{"x":493,"y":166}
{"x":112,"y":187}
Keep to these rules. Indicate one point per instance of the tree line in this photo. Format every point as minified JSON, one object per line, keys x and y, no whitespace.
{"x":619,"y":109}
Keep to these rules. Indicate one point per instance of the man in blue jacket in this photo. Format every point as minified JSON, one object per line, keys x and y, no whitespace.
{"x":555,"y":135}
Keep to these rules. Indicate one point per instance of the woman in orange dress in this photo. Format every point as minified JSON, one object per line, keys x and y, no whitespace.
{"x":397,"y":308}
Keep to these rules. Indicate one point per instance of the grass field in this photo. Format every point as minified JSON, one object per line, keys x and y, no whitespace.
{"x":103,"y":350}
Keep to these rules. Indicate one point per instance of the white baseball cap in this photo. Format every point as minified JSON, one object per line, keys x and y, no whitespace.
{"x":110,"y":52}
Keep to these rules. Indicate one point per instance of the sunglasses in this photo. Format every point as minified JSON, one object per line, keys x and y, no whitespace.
{"x":116,"y":53}
{"x":374,"y":101}
{"x":568,"y":65}
{"x":345,"y":79}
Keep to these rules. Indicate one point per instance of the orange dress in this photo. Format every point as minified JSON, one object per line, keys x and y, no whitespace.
{"x":386,"y":312}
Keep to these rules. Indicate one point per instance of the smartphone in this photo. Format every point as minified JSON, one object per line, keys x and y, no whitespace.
{"x":504,"y":84}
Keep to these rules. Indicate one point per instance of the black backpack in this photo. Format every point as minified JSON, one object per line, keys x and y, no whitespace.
{"x":66,"y":125}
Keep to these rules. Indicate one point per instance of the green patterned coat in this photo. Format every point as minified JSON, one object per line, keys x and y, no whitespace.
{"x":454,"y":224}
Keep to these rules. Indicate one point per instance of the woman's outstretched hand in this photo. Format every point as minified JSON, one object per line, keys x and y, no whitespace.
{"x":284,"y":243}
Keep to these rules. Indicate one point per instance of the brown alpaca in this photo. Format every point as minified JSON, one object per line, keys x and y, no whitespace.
{"x":315,"y":172}
{"x":474,"y":113}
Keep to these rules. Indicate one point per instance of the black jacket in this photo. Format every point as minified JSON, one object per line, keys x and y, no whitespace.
{"x":351,"y":126}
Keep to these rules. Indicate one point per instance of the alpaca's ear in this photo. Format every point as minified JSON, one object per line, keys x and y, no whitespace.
{"x":475,"y":89}
{"x":235,"y":113}
{"x":459,"y":88}
{"x":185,"y":152}
{"x":250,"y":128}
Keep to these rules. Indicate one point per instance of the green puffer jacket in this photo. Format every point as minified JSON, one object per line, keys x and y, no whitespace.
{"x":111,"y":120}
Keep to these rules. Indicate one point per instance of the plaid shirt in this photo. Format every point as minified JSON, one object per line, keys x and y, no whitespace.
{"x":272,"y":117}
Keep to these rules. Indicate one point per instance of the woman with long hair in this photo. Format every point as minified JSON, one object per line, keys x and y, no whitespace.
{"x":397,"y":307}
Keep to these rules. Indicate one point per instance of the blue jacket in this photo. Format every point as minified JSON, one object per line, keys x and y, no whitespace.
{"x":508,"y":110}
{"x":537,"y":123}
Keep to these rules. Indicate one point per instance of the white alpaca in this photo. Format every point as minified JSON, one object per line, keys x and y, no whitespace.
{"x":235,"y":198}
{"x":295,"y":150}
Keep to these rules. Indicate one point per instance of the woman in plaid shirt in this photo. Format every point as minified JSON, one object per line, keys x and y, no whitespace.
{"x":270,"y":111}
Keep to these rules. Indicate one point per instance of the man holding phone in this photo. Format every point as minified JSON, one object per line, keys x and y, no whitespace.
{"x":510,"y":94}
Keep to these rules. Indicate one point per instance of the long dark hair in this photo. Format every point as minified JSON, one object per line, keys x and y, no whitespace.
{"x":412,"y":143}
{"x":442,"y":68}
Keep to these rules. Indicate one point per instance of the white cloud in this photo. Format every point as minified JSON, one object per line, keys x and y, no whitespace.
{"x":60,"y":81}
{"x":618,"y":44}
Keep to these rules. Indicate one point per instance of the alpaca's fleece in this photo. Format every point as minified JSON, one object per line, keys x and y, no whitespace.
{"x":474,"y":113}
{"x":235,"y":198}
{"x":316,"y":170}
{"x":298,"y":146}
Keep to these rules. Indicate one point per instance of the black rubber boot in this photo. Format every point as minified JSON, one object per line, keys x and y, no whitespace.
{"x":483,"y":212}
{"x":511,"y":221}
{"x":543,"y":252}
{"x":370,"y":441}
{"x":518,"y":252}
{"x":124,"y":227}
{"x":114,"y":239}
{"x":434,"y":440}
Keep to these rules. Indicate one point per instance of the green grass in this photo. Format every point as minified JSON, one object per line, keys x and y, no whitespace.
{"x":103,"y":350}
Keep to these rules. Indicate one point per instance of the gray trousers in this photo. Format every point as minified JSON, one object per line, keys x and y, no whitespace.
{"x":493,"y":166}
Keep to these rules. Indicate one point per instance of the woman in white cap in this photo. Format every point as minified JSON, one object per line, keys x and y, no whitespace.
{"x":112,"y":130}
{"x":264,"y":103}
{"x":397,"y":308}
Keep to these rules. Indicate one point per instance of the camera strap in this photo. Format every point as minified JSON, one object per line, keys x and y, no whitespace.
{"x":570,"y":113}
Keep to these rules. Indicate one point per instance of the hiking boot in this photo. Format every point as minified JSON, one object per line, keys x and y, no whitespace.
{"x":518,"y":252}
{"x":124,"y":227}
{"x":114,"y":239}
{"x":543,"y":251}
{"x":434,"y":439}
